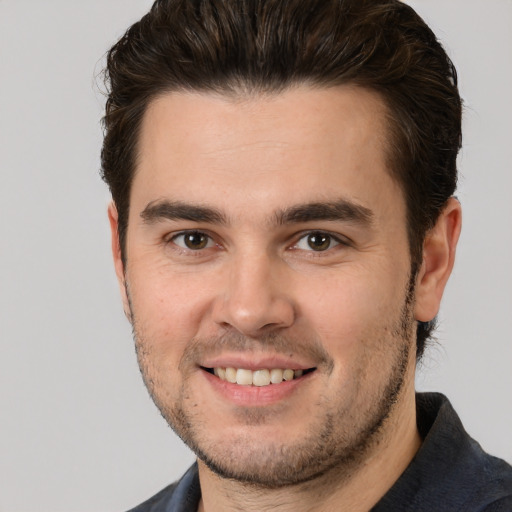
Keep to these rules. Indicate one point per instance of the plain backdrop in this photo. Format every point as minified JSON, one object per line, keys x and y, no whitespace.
{"x":78,"y":431}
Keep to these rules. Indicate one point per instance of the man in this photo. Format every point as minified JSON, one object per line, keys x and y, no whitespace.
{"x":283,"y":227}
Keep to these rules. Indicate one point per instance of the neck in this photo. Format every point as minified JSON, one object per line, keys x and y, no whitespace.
{"x":359,"y":491}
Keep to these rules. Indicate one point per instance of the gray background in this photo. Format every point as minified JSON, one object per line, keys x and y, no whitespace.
{"x":77,"y":429}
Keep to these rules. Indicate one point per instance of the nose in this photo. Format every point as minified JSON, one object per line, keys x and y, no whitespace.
{"x":254,"y":299}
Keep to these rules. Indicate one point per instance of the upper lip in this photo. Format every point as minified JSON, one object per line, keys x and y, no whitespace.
{"x":256,"y":362}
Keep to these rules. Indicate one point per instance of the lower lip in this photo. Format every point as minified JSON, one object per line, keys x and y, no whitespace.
{"x":255,"y":395}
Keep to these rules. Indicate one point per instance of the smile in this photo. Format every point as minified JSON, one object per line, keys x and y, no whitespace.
{"x":263,"y":377}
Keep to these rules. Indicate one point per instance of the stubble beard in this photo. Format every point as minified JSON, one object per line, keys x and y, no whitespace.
{"x":324,"y":449}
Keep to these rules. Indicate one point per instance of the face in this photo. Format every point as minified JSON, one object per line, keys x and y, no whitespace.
{"x":268,"y":279}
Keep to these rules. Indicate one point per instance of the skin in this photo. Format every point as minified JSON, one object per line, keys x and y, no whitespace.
{"x":258,"y":295}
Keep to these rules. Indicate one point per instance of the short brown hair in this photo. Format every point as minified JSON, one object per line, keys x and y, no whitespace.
{"x":251,"y":46}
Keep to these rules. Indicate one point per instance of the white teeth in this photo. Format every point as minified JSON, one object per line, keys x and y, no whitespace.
{"x":261,"y":377}
{"x":230,"y":375}
{"x":244,"y":377}
{"x":288,"y":375}
{"x":276,"y":376}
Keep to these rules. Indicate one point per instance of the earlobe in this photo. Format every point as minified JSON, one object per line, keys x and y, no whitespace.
{"x":117,"y":256}
{"x":438,"y":258}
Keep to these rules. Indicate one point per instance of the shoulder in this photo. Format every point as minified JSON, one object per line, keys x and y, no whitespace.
{"x":450,"y":472}
{"x":158,"y":501}
{"x":489,"y":484}
{"x":181,"y":496}
{"x":482,"y":482}
{"x":502,"y":505}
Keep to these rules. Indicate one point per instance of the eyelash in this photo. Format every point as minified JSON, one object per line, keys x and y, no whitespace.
{"x":333,"y":239}
{"x":172,"y":239}
{"x":336,"y":239}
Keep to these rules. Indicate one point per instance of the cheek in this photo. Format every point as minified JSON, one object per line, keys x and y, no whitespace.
{"x":168,"y":308}
{"x":352,"y":307}
{"x":356,"y":321}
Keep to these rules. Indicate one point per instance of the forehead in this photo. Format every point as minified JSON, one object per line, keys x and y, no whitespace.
{"x":299,"y":145}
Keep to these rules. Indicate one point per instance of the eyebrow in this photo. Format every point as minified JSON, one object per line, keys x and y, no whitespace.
{"x":340,"y":210}
{"x":176,"y":210}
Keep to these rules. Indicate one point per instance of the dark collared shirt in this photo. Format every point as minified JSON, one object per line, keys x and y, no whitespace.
{"x":449,"y":473}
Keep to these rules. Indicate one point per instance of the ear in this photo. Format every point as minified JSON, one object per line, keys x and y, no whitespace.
{"x":438,"y":258}
{"x":118,"y":260}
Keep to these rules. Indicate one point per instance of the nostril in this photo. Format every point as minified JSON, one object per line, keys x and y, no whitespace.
{"x":252,"y":309}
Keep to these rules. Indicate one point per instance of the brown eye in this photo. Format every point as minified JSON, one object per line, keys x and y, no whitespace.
{"x":319,"y":241}
{"x":193,"y":240}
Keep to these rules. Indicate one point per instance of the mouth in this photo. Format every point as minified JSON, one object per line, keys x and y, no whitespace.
{"x":259,"y":378}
